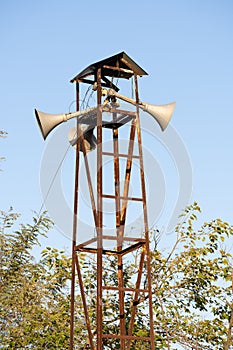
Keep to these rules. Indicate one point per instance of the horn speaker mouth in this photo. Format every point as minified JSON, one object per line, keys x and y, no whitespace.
{"x":40,"y":125}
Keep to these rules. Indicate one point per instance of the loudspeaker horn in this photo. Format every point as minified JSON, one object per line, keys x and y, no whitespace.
{"x":161,"y":113}
{"x":47,"y":122}
{"x":90,"y":140}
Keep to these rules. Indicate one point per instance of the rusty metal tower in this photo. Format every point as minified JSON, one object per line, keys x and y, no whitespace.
{"x":123,"y":67}
{"x":100,"y":77}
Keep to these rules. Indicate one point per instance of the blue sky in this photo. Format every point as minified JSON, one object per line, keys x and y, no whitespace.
{"x":185,"y":46}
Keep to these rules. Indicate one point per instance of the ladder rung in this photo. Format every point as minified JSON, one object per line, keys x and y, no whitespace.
{"x":124,"y":238}
{"x":130,"y":337}
{"x":119,"y":155}
{"x":125,"y":289}
{"x":110,"y":196}
{"x":82,"y":248}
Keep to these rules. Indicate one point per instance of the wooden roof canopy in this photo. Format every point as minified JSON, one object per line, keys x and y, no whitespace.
{"x":117,"y":66}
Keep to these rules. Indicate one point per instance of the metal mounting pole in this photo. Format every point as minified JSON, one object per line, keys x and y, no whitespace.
{"x":145,"y":218}
{"x":75,"y":216}
{"x":119,"y":233}
{"x":99,"y":215}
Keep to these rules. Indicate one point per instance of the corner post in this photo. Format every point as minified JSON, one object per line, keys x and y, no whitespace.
{"x":75,"y":221}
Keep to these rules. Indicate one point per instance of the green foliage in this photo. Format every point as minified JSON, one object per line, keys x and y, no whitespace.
{"x":193,"y":285}
{"x":34,"y":305}
{"x":192,"y":289}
